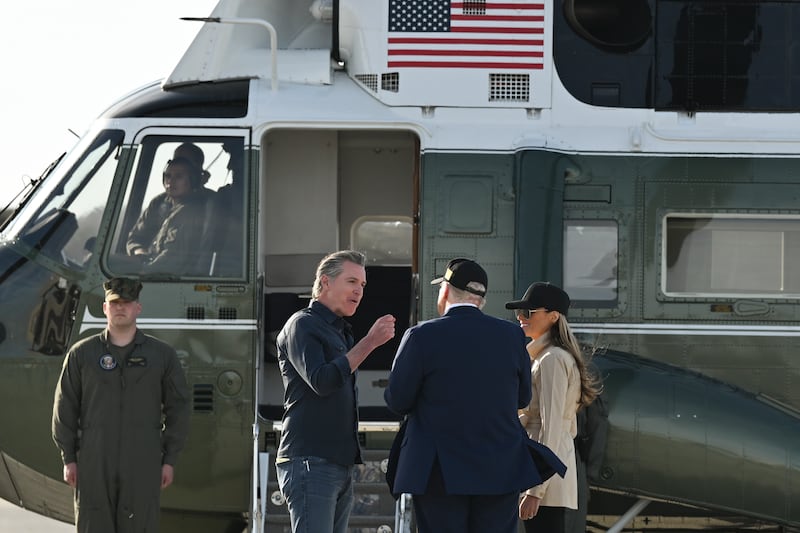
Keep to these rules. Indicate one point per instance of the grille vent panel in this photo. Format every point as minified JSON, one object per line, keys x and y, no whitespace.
{"x":195,"y":313}
{"x":369,"y":80}
{"x":227,"y":313}
{"x":509,"y":87}
{"x":390,"y":82}
{"x":203,"y":398}
{"x":474,"y":7}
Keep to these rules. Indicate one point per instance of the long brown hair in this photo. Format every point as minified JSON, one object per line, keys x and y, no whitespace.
{"x":561,"y":335}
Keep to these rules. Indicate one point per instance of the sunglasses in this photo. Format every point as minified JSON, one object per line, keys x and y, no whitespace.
{"x":527,"y":313}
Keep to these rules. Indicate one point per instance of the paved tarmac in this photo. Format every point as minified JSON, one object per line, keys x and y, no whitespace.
{"x":16,"y":520}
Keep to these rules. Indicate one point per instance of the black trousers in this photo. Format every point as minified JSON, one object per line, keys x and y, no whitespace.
{"x":547,"y":520}
{"x":439,"y":512}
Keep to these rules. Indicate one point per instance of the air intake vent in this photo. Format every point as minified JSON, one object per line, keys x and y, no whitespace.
{"x":474,"y":7}
{"x":370,"y":81}
{"x":203,"y":399}
{"x":390,"y":82}
{"x":227,"y":313}
{"x":195,"y":313}
{"x":509,"y":88}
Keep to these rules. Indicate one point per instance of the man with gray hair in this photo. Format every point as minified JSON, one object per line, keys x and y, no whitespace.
{"x":460,"y":380}
{"x":318,"y":361}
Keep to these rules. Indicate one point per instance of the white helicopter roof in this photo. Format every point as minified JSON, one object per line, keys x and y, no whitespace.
{"x":403,"y":52}
{"x":234,"y":43}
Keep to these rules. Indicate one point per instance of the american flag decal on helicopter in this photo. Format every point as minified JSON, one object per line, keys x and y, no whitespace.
{"x":477,"y":34}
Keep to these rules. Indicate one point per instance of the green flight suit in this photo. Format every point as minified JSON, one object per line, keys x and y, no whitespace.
{"x":120,"y":418}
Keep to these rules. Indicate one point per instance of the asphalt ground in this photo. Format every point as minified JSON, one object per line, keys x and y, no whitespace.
{"x":14,"y":519}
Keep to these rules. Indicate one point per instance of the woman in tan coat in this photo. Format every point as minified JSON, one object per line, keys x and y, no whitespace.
{"x":561,"y":385}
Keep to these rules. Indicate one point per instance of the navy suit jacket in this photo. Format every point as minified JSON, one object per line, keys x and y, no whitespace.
{"x":460,"y":379}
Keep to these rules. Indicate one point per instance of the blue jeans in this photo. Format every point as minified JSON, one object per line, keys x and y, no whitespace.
{"x":319,"y":494}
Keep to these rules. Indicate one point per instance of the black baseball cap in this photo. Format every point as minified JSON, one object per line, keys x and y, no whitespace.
{"x":542,"y":294}
{"x":460,"y":272}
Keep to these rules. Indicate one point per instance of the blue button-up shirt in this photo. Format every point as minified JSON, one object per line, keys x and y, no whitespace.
{"x":320,"y":401}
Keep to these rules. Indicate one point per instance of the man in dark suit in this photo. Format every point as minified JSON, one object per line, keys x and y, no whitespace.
{"x":460,"y":379}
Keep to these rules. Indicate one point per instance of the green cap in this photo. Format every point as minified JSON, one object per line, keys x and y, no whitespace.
{"x":122,"y":289}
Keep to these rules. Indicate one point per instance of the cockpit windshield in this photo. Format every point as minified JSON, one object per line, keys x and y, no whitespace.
{"x":62,"y":221}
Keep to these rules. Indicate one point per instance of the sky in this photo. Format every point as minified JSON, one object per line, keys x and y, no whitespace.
{"x":65,"y":62}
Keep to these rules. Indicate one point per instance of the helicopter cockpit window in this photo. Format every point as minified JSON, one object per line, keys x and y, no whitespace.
{"x":732,"y":255}
{"x":590,"y":262}
{"x":183,"y":210}
{"x":64,"y":228}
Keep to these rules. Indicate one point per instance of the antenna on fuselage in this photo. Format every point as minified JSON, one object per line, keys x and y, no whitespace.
{"x":273,"y":37}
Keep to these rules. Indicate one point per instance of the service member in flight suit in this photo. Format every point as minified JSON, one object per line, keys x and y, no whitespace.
{"x":114,"y":389}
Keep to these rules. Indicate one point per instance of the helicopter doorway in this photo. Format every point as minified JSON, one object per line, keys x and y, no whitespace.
{"x":325,"y":190}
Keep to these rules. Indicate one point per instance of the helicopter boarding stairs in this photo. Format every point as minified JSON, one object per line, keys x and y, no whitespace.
{"x":374,"y":508}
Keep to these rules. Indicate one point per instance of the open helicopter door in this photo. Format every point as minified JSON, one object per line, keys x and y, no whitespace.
{"x":324,"y":190}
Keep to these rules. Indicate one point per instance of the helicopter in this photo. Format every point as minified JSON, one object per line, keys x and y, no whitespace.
{"x":642,"y":154}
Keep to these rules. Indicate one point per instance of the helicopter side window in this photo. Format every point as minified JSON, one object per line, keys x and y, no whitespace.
{"x":180,"y":210}
{"x":387,"y":242}
{"x":732,"y":255}
{"x":65,"y":227}
{"x":590,"y":262}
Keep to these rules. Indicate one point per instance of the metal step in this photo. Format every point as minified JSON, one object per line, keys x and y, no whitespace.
{"x":357,"y":524}
{"x":373,"y":507}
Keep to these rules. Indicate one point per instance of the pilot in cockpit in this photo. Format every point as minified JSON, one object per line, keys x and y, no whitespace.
{"x":166,"y":234}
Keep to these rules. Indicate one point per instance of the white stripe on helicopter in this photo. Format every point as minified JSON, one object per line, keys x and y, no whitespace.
{"x":688,"y":329}
{"x":93,"y":322}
